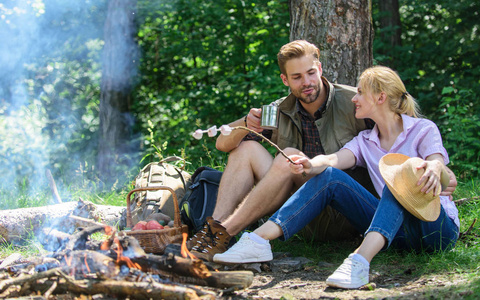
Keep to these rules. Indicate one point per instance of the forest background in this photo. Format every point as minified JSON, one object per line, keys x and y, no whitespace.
{"x":192,"y":64}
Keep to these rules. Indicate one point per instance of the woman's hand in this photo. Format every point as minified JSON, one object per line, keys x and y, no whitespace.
{"x":313,"y":166}
{"x":302,"y":164}
{"x":431,"y":176}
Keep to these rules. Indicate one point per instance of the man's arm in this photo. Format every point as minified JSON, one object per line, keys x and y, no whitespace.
{"x":452,"y":184}
{"x":227,"y":143}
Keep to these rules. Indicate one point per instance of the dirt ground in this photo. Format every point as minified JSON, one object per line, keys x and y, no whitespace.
{"x":309,"y":283}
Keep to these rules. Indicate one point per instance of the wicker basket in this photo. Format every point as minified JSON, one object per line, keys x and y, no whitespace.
{"x":155,"y":241}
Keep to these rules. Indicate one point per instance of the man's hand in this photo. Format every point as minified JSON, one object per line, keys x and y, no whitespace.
{"x":452,"y":185}
{"x":231,"y":141}
{"x":254,"y":119}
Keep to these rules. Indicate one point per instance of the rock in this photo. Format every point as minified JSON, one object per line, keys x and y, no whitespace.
{"x":289,"y":264}
{"x":324,"y":264}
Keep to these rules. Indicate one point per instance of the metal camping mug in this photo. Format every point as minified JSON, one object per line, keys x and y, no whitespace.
{"x":269,"y":117}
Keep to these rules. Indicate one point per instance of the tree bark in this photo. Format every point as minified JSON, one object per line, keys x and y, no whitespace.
{"x":341,"y":29}
{"x":119,"y":63}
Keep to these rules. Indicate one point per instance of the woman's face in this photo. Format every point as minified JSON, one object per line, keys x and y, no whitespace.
{"x":365,"y":104}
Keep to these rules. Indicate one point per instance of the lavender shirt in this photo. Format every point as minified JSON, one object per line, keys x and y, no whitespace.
{"x":419,"y":138}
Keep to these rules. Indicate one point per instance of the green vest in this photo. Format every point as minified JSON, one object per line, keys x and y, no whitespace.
{"x":336,"y":127}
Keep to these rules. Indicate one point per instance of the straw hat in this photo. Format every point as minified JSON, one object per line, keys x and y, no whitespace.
{"x":401,"y":176}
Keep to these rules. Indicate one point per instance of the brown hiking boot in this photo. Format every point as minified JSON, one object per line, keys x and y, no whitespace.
{"x":212,"y":239}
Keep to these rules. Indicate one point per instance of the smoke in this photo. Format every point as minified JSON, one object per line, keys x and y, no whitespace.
{"x":50,"y":58}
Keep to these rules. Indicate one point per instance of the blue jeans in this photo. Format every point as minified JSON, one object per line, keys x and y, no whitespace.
{"x":365,"y":212}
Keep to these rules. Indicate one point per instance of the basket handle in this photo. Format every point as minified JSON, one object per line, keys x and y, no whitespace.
{"x":176,"y":220}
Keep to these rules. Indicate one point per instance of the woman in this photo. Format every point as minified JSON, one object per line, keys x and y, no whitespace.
{"x":382,"y":97}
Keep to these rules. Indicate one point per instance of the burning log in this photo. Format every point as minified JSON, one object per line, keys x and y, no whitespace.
{"x":117,"y":266}
{"x":132,"y":290}
{"x":194,"y":271}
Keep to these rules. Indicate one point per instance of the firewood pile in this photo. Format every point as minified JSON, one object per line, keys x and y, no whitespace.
{"x":98,"y":260}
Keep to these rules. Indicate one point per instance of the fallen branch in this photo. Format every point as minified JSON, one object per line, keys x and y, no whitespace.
{"x":468,"y":231}
{"x":465,"y":200}
{"x":86,"y":221}
{"x":23,"y":279}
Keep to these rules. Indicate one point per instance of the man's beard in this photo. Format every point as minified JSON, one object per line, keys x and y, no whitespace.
{"x":310,"y":98}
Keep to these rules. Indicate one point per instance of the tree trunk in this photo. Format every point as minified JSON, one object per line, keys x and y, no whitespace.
{"x":17,"y":224}
{"x":341,"y":29}
{"x":119,"y":65}
{"x":390,"y":22}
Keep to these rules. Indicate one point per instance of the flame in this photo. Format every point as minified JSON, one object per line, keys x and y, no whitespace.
{"x":122,"y":258}
{"x":109,"y":230}
{"x":184,"y":251}
{"x":68,"y":260}
{"x":105,"y":245}
{"x":86,"y":264}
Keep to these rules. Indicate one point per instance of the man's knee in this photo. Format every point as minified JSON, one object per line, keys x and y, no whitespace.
{"x":281,"y":163}
{"x":245,"y":148}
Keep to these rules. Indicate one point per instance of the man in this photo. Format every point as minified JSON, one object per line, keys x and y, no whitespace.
{"x":317,"y":117}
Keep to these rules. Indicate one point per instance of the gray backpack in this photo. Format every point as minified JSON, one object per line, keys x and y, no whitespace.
{"x":154,"y":174}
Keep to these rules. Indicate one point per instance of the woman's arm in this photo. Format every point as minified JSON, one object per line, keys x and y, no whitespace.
{"x":343,"y":159}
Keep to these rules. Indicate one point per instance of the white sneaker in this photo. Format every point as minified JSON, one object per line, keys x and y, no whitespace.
{"x":352,"y":274}
{"x":245,"y":250}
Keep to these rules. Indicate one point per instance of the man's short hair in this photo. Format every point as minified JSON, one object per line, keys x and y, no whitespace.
{"x":296,"y":49}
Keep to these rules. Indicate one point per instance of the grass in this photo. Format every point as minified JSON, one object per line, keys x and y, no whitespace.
{"x":463,"y":261}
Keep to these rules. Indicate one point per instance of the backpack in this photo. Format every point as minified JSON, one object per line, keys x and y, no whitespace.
{"x":147,"y":203}
{"x":200,"y":198}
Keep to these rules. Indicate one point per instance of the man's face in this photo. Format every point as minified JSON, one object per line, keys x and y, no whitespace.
{"x":304,"y":78}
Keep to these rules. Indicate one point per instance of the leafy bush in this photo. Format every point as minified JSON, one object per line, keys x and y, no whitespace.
{"x":438,"y":61}
{"x":205,"y":63}
{"x":459,"y":123}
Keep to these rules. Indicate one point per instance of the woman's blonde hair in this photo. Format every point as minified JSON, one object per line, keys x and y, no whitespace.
{"x":379,"y":79}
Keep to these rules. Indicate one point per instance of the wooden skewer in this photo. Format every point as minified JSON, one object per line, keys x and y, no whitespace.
{"x":270,"y":142}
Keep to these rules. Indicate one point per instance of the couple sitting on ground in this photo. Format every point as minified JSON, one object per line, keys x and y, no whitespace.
{"x":324,"y":128}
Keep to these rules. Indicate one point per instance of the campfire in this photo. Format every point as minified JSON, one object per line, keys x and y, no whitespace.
{"x":115,"y":265}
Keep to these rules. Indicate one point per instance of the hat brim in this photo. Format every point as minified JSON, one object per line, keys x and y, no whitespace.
{"x":425,"y":207}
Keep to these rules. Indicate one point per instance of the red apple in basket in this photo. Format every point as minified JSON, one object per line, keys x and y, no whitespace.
{"x":153,"y":225}
{"x":142,"y":225}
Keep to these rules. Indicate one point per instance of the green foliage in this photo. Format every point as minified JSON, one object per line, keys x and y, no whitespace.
{"x":459,"y":122}
{"x":438,"y":61}
{"x":205,"y":63}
